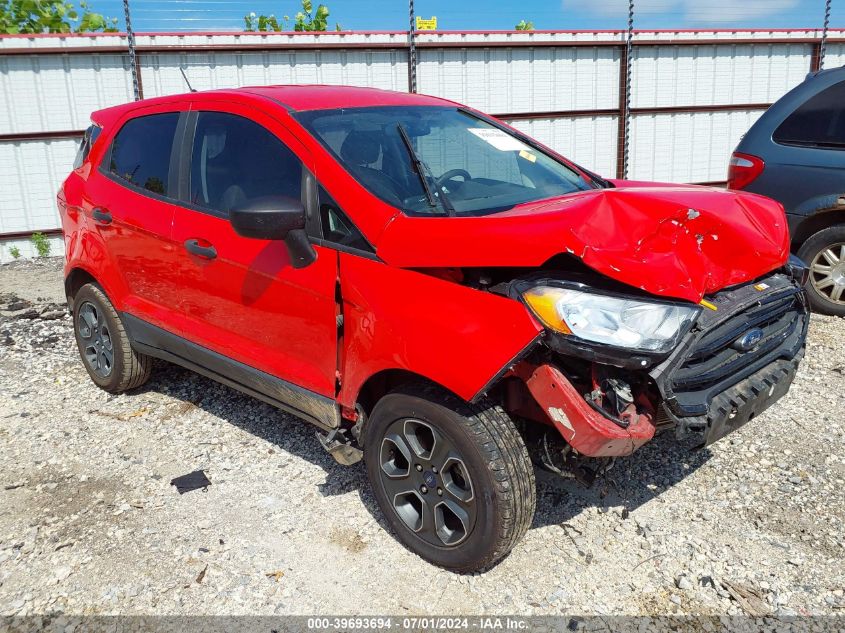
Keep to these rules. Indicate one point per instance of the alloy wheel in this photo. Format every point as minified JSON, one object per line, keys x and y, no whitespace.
{"x":827,"y":273}
{"x":97,"y":347}
{"x":427,"y":480}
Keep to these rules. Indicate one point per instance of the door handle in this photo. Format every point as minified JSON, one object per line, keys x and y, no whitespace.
{"x":206,"y":252}
{"x":101,"y":215}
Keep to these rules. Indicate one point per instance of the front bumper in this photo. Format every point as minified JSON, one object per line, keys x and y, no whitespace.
{"x":707,"y":385}
{"x":711,"y":387}
{"x":584,"y":428}
{"x":745,"y":401}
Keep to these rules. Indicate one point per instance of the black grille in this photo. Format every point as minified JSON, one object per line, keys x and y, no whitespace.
{"x":713,"y":364}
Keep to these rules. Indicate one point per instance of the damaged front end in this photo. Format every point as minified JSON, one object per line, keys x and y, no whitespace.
{"x":601,"y":383}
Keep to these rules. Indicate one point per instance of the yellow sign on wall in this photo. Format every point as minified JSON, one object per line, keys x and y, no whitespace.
{"x":427,"y":25}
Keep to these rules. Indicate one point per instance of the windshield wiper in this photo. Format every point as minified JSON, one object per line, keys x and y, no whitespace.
{"x":421,"y":169}
{"x":603,"y":183}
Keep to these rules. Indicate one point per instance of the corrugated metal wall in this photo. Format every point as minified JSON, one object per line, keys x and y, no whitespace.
{"x":522,"y":79}
{"x":694,"y":146}
{"x":208,"y":71}
{"x":692,"y":97}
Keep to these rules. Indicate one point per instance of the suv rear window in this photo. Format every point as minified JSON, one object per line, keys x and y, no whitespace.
{"x":140,"y":154}
{"x":819,"y":122}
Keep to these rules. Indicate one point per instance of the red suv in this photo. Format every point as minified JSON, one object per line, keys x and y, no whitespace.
{"x":435,"y":291}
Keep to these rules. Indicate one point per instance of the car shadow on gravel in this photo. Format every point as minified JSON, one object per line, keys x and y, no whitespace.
{"x":632,"y":481}
{"x":284,"y":431}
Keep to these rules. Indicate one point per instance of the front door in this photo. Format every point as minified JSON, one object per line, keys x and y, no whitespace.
{"x":241,"y":297}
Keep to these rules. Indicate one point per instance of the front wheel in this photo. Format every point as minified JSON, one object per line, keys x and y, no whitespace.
{"x":453,"y":480}
{"x":824,"y":253}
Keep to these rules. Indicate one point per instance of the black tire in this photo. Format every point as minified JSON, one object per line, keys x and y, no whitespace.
{"x":98,"y":331}
{"x":812,"y":252}
{"x":479,"y":438}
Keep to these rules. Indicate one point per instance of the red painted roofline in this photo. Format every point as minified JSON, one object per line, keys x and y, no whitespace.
{"x":436,"y":33}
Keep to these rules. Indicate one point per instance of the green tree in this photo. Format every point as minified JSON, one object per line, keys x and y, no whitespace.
{"x":524,"y":26}
{"x":51,"y":16}
{"x":306,"y":20}
{"x":256,"y":23}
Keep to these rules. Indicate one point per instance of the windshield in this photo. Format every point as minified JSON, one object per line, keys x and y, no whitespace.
{"x":439,"y":160}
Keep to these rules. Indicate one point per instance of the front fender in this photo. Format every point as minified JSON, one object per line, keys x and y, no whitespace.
{"x":456,"y":336}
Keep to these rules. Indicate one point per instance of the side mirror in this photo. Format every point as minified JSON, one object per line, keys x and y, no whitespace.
{"x":277,"y":219}
{"x":270,"y":219}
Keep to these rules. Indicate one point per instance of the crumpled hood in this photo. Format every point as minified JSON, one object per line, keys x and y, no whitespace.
{"x":673,"y":241}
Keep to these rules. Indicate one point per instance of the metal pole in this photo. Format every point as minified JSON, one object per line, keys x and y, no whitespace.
{"x":823,"y":44}
{"x":629,"y":61}
{"x":130,"y":37}
{"x":412,"y":49}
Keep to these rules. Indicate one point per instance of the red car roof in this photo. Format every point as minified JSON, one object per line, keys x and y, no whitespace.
{"x":295,"y":98}
{"x":321,"y":97}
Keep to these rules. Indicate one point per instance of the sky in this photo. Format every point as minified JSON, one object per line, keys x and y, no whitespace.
{"x":362,"y":15}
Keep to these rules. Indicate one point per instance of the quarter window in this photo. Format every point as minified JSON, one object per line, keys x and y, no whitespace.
{"x":820,"y":122}
{"x":337,"y":227}
{"x":236,"y":163}
{"x":88,"y":139}
{"x":140,"y":154}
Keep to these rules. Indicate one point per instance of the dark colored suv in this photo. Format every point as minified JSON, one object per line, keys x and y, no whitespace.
{"x":435,"y":291}
{"x":795,"y":153}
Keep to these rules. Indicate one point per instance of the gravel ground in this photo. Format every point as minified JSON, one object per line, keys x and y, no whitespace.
{"x":89,"y":523}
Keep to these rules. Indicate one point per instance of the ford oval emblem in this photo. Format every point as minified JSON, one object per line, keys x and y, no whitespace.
{"x":749,"y":340}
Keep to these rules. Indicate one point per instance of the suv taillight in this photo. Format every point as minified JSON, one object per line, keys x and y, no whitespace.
{"x":743,"y":169}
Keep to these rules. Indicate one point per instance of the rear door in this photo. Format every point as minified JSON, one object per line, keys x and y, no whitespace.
{"x":130,"y":203}
{"x":241,"y":297}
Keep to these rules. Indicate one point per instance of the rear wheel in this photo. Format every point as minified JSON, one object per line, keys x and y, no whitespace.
{"x":454,"y":480}
{"x":104,"y":345}
{"x":824,"y":253}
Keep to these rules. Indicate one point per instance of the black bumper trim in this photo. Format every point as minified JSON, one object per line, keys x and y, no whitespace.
{"x":690,"y":401}
{"x":741,"y":403}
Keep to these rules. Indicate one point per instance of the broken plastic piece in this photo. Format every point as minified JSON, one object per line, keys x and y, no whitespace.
{"x":588,"y":431}
{"x":339,"y":447}
{"x":191,"y":481}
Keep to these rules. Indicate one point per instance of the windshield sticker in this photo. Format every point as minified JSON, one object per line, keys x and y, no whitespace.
{"x":499,"y":139}
{"x":527,"y":156}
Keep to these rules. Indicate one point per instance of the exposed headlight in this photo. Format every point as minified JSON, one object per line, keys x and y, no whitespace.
{"x":641,"y":326}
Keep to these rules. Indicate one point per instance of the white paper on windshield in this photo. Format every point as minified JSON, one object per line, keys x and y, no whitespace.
{"x":497,"y":138}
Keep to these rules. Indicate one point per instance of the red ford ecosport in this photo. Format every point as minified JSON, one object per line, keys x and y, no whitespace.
{"x":435,"y":291}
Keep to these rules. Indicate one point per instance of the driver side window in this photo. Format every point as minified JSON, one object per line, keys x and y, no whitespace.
{"x":236,"y":162}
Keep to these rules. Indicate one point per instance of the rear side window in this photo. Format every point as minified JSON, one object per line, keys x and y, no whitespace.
{"x":820,"y":122}
{"x":236,"y":163}
{"x":88,"y":139}
{"x":140,"y":154}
